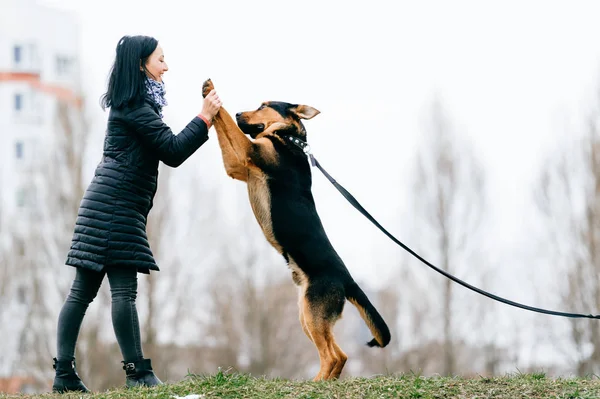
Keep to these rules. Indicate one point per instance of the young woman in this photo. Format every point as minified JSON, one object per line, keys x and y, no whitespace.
{"x":110,"y":231}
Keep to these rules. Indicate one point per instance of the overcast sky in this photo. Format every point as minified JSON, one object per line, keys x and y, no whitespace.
{"x":514,"y":77}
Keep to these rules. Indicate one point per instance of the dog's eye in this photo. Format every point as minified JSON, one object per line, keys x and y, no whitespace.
{"x":262,"y":107}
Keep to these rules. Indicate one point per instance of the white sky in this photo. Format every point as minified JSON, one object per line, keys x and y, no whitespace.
{"x":513,"y":76}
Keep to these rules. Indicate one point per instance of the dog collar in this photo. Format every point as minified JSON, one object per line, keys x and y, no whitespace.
{"x":303,"y":145}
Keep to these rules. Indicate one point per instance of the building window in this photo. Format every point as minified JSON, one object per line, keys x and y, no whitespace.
{"x":18,"y":54}
{"x":19,"y":149}
{"x":21,"y":196}
{"x":18,"y":102}
{"x":63,"y":65}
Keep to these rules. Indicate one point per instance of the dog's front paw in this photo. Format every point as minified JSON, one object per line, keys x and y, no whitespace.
{"x":207,"y":86}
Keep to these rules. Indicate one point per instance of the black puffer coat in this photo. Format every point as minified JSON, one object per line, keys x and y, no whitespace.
{"x":110,"y":229}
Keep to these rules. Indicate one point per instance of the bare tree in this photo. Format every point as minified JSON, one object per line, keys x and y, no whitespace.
{"x":158,"y":234}
{"x":253,"y":324}
{"x":41,"y":235}
{"x":449,"y":197}
{"x":568,"y":198}
{"x":169,"y":296}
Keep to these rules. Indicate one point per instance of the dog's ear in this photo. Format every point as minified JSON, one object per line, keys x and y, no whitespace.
{"x":304,"y":111}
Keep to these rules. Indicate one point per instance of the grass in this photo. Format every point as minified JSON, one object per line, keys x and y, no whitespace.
{"x":224,"y":385}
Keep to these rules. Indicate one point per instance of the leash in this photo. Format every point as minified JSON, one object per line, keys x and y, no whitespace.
{"x":313,"y":161}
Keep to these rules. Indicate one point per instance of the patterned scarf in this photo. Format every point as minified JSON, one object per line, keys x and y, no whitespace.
{"x":156,"y":91}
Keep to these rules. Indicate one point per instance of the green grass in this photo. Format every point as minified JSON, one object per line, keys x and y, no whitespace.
{"x":223,"y":385}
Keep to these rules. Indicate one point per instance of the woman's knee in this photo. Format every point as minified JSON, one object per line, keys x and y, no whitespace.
{"x":85,"y":286}
{"x":123,"y":284}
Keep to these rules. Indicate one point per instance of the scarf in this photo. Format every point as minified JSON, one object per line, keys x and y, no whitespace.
{"x":156,"y":91}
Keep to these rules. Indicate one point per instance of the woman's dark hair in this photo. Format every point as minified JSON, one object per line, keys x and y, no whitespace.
{"x":126,"y":83}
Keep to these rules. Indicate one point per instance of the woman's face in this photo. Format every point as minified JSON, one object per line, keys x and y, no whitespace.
{"x":156,"y":65}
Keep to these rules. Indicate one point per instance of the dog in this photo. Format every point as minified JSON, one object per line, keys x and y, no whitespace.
{"x":277,"y":172}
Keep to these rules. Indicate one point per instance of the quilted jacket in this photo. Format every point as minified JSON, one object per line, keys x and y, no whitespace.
{"x":110,"y":230}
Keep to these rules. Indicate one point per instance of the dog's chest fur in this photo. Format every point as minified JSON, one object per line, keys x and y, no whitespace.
{"x":260,"y":200}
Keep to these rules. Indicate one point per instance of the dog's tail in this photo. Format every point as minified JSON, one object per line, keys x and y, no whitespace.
{"x":369,"y":314}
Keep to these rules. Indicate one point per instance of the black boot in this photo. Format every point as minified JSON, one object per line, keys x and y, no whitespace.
{"x":139,"y":374}
{"x":66,"y":378}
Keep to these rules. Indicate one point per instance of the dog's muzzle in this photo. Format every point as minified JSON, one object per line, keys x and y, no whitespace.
{"x":252,"y":130}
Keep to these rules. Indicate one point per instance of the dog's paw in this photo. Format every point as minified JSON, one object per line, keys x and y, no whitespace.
{"x":207,"y":86}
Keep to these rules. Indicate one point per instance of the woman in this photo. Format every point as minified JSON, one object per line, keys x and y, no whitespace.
{"x":110,"y":231}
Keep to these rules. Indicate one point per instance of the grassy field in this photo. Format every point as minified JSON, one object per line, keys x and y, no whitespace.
{"x":222,"y":385}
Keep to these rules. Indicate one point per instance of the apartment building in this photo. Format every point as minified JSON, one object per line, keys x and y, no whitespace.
{"x":39,"y":66}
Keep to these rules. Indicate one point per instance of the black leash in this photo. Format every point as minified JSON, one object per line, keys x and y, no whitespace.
{"x":306,"y":148}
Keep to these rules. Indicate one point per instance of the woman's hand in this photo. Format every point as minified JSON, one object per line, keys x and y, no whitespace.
{"x":211,"y":105}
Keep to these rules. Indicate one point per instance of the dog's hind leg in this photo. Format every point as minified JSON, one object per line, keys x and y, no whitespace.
{"x":301,"y":306}
{"x":332,"y":358}
{"x":341,"y":360}
{"x":320,"y":310}
{"x":340,"y":356}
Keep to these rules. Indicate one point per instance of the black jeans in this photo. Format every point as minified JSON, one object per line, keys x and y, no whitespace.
{"x":123,"y":288}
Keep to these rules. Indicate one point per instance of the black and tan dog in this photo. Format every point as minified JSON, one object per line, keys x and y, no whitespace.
{"x":278,"y":176}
